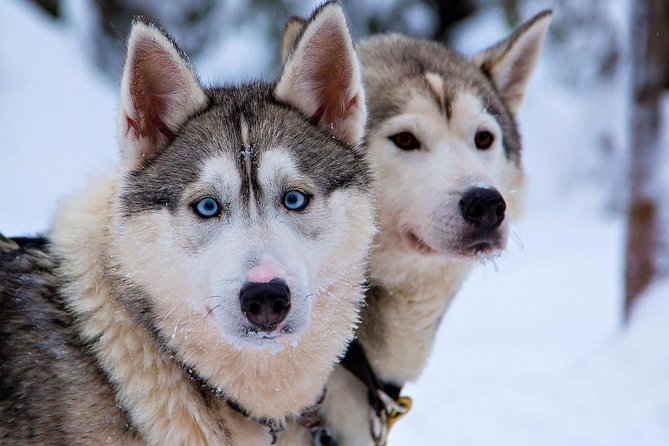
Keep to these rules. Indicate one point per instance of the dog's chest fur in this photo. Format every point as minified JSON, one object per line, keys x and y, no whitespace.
{"x":399,"y":321}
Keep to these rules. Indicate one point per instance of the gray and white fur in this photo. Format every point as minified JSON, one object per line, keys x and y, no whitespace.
{"x":124,"y":324}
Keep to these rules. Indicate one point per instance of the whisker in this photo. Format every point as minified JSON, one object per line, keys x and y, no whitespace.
{"x":169,"y":313}
{"x":515,"y":236}
{"x":211,"y":297}
{"x":209,"y":312}
{"x":176,"y":327}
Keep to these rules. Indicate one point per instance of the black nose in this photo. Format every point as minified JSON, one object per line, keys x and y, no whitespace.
{"x":484,"y":208}
{"x":265,"y":304}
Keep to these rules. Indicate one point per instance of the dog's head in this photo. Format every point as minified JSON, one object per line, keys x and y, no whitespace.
{"x":443,"y":139}
{"x":444,"y":142}
{"x":239,"y":207}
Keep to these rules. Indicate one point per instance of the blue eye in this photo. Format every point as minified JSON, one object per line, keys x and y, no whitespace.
{"x":207,"y":208}
{"x":295,"y":201}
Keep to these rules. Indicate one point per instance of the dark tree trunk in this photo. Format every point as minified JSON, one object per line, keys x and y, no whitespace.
{"x":450,"y":12}
{"x":51,"y":7}
{"x":646,"y":243}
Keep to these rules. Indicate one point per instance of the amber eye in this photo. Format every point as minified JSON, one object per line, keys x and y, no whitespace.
{"x":483,"y":139}
{"x":405,"y":141}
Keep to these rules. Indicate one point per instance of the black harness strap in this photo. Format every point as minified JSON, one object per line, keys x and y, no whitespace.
{"x":356,"y":362}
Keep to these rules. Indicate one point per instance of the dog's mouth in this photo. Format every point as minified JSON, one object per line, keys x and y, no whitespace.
{"x":481,"y":247}
{"x":280,"y":330}
{"x":275,"y":340}
{"x":419,"y":245}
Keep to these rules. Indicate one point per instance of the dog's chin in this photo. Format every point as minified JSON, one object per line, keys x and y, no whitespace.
{"x":480,"y":248}
{"x":275,"y":340}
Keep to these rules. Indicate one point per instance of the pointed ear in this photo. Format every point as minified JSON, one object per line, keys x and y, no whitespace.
{"x":291,"y":33}
{"x":510,"y":63}
{"x":321,"y":76}
{"x":159,"y":91}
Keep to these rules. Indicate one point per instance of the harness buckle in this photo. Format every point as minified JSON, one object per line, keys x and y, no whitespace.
{"x":403,"y":405}
{"x":393,"y":411}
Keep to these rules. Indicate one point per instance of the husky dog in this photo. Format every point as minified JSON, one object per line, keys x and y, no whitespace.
{"x":203,"y":291}
{"x":446,"y":155}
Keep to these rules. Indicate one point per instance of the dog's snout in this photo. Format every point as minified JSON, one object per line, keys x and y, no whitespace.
{"x":265,"y":305}
{"x":484,"y":208}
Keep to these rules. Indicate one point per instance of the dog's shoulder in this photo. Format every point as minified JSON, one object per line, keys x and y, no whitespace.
{"x":33,"y":325}
{"x":28,"y":280}
{"x":44,"y":366}
{"x":20,"y":254}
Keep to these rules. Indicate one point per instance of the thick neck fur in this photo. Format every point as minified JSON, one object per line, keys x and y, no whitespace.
{"x":165,"y":406}
{"x":404,"y":308}
{"x":409,"y":297}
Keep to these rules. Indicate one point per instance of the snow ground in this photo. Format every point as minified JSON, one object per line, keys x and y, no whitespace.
{"x":531,"y":352}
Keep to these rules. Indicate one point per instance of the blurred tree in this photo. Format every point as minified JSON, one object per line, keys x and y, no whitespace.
{"x":51,"y":7}
{"x":196,"y":23}
{"x":431,"y":19}
{"x":591,"y":54}
{"x":451,"y":13}
{"x":191,"y":22}
{"x":648,"y":215}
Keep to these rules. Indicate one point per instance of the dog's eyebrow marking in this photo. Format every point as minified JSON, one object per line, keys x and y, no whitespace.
{"x":246,"y":145}
{"x":436,"y":84}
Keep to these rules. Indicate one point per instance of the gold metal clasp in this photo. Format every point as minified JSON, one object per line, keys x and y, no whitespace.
{"x":403,"y":407}
{"x":380,"y":425}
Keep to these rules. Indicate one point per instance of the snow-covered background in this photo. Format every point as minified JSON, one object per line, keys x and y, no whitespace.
{"x":532,"y":352}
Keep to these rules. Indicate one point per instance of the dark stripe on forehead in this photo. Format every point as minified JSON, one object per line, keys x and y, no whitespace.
{"x":245,"y":157}
{"x":448,"y":105}
{"x":252,"y":147}
{"x":435,"y":84}
{"x":248,"y":154}
{"x":437,"y":100}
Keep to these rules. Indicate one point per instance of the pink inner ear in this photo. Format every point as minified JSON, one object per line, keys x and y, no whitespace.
{"x":329,"y":69}
{"x":155,"y":84}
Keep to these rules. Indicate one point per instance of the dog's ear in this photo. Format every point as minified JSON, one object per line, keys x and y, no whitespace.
{"x":291,"y":33}
{"x":510,"y":63}
{"x":321,"y":76}
{"x":159,"y":91}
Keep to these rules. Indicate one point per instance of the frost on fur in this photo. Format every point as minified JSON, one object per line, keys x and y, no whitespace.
{"x":322,"y":76}
{"x":158,"y":93}
{"x":510,"y":63}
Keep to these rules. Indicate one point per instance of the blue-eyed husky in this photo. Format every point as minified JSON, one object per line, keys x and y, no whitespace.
{"x":201,"y":292}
